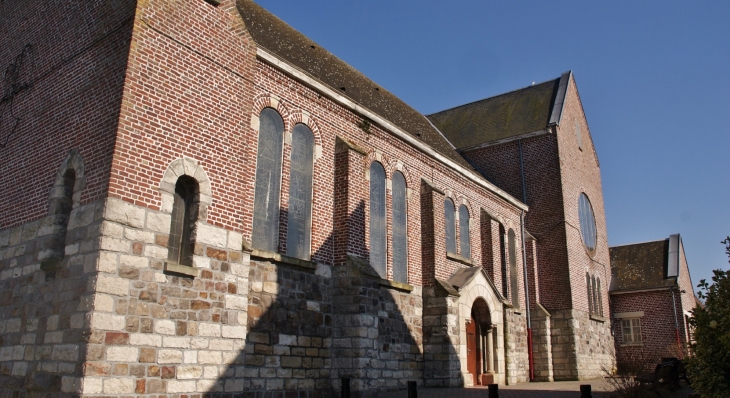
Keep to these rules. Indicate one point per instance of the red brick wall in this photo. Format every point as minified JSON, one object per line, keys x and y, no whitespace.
{"x":500,"y":163}
{"x":685,"y":301}
{"x":556,"y":172}
{"x":212,"y":88}
{"x":657,"y":326}
{"x":580,"y":173}
{"x":381,"y":146}
{"x":188,"y":92}
{"x":73,"y":100}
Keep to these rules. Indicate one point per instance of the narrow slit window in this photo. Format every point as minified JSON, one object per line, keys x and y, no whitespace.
{"x":514,"y":282}
{"x":265,"y":234}
{"x":450,"y":221}
{"x":400,"y":229}
{"x":60,"y":206}
{"x":299,"y":226}
{"x":378,"y":237}
{"x":595,"y":296}
{"x":464,"y":235}
{"x":589,"y":290}
{"x":598,"y":296}
{"x":180,"y":243}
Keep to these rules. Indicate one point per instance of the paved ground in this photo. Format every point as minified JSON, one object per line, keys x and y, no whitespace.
{"x":561,"y":389}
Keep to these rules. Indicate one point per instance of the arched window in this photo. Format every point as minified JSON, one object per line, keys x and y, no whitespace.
{"x":595,"y":296}
{"x":60,"y":207}
{"x":464,"y":236}
{"x":514,"y":283}
{"x":268,"y":181}
{"x":180,"y":244}
{"x":598,"y":296}
{"x":589,"y":287}
{"x":450,"y":221}
{"x":503,"y":259}
{"x":400,"y":229}
{"x":299,"y":226}
{"x":378,"y":237}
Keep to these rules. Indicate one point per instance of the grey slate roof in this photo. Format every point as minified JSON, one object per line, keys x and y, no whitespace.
{"x":640,"y":266}
{"x":507,"y":115}
{"x":287,"y":43}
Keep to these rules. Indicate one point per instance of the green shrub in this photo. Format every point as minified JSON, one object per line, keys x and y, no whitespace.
{"x":709,"y":364}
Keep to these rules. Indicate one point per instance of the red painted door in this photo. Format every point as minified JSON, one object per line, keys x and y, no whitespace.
{"x":472,"y":352}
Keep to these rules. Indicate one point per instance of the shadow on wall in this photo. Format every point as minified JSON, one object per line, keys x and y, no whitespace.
{"x":42,"y":310}
{"x":309,"y":325}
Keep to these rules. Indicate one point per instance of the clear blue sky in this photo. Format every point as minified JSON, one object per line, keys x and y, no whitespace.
{"x":654,"y":78}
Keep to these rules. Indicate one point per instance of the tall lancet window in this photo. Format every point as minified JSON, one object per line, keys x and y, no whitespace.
{"x":450,"y":221}
{"x":464,"y":236}
{"x":299,"y":226}
{"x":595,"y":296}
{"x":268,"y":181}
{"x":513,"y":278}
{"x":599,"y":297}
{"x":400,"y":229}
{"x":182,"y":221}
{"x":589,"y":287}
{"x":378,"y":238}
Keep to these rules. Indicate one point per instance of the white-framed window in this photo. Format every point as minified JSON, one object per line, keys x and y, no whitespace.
{"x":631,"y":331}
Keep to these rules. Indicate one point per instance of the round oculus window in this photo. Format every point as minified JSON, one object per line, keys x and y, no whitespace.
{"x":587,"y":222}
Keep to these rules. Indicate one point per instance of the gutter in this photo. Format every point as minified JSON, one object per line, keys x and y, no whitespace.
{"x":506,"y":140}
{"x":346,"y":102}
{"x":640,"y":290}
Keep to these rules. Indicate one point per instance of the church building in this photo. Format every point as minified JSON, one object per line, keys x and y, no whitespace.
{"x":200,"y":200}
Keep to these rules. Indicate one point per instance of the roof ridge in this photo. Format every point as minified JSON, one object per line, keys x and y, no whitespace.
{"x":638,"y":243}
{"x":494,"y":96}
{"x":283,"y":41}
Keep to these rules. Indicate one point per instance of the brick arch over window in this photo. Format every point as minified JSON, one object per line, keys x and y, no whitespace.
{"x":263,"y":101}
{"x":383,"y":159}
{"x":299,"y":116}
{"x":410,"y":181}
{"x":186,"y":167}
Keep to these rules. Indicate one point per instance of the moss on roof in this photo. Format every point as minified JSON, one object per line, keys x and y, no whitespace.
{"x":287,"y":43}
{"x":507,"y":115}
{"x":640,"y":266}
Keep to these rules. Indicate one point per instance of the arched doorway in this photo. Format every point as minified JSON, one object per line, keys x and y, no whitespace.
{"x":480,"y":343}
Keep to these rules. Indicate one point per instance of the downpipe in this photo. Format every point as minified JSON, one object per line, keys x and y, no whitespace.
{"x":524,"y":266}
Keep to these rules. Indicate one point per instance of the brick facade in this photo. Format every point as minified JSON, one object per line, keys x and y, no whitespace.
{"x":556,"y":171}
{"x":132,"y":96}
{"x":655,"y":306}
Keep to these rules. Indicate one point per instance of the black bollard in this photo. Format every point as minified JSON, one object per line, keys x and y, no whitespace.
{"x":585,"y":391}
{"x":494,"y":391}
{"x":345,"y":392}
{"x":412,"y":392}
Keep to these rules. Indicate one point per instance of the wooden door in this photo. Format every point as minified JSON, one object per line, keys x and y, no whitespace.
{"x":472,"y":351}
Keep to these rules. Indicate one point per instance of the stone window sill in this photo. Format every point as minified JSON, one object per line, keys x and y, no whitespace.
{"x":456,"y":257}
{"x":281,"y":258}
{"x":632,"y":345}
{"x":181,"y":269}
{"x":395,"y":285}
{"x":388,"y":284}
{"x":598,"y":318}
